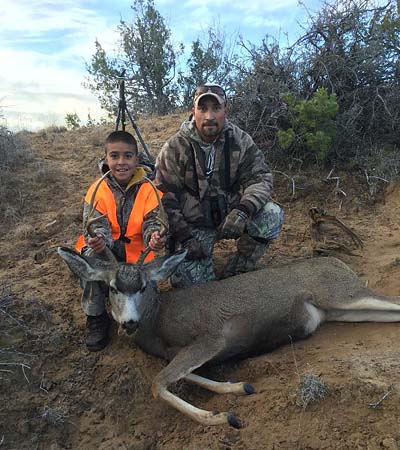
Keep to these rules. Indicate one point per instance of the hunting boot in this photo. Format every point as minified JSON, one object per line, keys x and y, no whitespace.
{"x":97,"y":332}
{"x":249,"y":251}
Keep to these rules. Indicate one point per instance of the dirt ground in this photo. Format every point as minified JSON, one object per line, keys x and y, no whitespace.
{"x":54,"y":394}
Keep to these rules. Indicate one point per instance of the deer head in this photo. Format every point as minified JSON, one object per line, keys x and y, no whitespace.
{"x":129,"y":284}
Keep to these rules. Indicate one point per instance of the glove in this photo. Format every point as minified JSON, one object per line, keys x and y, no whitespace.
{"x":194,"y":249}
{"x":234,"y":224}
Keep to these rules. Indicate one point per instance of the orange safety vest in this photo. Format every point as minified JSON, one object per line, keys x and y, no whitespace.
{"x":145,"y":202}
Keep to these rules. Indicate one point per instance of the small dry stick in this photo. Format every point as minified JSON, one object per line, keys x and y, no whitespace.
{"x":41,"y":384}
{"x":376,"y":404}
{"x":22,"y":365}
{"x":294,"y":358}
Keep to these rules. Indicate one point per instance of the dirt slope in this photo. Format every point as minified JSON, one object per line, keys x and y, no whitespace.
{"x":69,"y":398}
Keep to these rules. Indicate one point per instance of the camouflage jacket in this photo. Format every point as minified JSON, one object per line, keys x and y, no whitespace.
{"x":124,"y":199}
{"x":195,"y":198}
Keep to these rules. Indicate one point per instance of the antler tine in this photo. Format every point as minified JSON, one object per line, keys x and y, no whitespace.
{"x":92,"y":219}
{"x":162,"y":220}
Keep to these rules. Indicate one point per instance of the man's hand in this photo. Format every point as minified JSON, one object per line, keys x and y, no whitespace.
{"x":234,"y":224}
{"x":97,"y":243}
{"x":157,"y":243}
{"x":194,"y":250}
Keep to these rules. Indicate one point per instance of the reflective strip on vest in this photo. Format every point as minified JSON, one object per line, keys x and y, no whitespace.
{"x":145,"y":202}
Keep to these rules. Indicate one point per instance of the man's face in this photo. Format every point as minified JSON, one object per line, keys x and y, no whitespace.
{"x":209,"y":117}
{"x":122,"y":159}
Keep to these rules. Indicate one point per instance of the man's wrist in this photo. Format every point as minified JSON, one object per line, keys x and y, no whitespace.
{"x":246,"y":207}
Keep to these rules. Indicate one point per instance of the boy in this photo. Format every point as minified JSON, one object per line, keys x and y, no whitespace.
{"x":130,"y":206}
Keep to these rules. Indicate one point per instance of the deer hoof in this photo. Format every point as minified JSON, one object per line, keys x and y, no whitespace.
{"x":249,"y":389}
{"x":234,"y":421}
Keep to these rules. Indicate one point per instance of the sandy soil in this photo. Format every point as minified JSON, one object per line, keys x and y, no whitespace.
{"x":59,"y":396}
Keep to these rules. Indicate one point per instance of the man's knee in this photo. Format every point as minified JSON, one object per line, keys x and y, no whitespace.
{"x":266,"y":225}
{"x":193,"y":272}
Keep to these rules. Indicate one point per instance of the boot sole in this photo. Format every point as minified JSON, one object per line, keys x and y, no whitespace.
{"x":99,"y":345}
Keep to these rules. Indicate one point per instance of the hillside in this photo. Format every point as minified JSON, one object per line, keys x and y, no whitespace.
{"x":56,"y":395}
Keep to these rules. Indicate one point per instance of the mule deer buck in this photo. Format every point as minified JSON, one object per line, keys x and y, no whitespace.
{"x":246,"y":314}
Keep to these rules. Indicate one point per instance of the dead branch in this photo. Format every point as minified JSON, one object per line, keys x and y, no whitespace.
{"x":337,"y":189}
{"x":289,"y":178}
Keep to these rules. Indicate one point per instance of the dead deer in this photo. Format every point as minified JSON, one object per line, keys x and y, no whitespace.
{"x":246,"y":314}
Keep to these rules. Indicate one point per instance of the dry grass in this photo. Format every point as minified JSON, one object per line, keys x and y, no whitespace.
{"x":54,"y":416}
{"x":22,"y":175}
{"x":311,"y":390}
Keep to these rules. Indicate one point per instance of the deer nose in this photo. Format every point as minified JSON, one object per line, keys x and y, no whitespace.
{"x":130,"y":326}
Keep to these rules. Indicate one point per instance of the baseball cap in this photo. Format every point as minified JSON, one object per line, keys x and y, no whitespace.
{"x":209,"y":89}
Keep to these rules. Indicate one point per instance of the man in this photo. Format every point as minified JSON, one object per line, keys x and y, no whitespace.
{"x":216,"y":185}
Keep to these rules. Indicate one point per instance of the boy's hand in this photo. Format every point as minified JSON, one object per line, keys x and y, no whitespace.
{"x":157,"y":242}
{"x":97,"y":243}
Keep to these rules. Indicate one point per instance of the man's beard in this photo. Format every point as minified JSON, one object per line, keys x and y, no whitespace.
{"x":210,"y":132}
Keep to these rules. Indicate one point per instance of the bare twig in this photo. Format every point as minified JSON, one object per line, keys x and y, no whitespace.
{"x":377,"y":403}
{"x":289,"y":178}
{"x":338,"y":190}
{"x":370,"y":177}
{"x":22,"y":365}
{"x":42,"y":386}
{"x":294,"y":358}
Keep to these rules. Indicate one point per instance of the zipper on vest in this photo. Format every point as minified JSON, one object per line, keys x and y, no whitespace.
{"x":122,"y":236}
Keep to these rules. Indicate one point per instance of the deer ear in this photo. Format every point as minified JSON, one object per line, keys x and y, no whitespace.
{"x":81,"y":266}
{"x":162,"y":268}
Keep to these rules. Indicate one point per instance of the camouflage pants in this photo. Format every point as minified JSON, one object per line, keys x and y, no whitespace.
{"x":263,"y":228}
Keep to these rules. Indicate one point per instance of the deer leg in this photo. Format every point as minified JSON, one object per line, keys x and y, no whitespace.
{"x":220,"y":387}
{"x":367,"y":308}
{"x":187,"y":360}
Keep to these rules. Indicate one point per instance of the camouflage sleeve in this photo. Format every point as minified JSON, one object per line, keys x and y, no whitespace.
{"x":255,"y":177}
{"x":102,"y":227}
{"x":150,"y":225}
{"x":169,"y":179}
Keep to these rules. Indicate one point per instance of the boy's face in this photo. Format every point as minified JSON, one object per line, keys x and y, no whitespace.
{"x":122,"y":159}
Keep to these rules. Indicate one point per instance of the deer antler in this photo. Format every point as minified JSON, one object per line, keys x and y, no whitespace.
{"x":92,"y":219}
{"x":162,"y":220}
{"x":319,"y":216}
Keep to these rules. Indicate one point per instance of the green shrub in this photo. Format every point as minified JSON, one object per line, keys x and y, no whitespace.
{"x":72,"y":121}
{"x":312,"y":128}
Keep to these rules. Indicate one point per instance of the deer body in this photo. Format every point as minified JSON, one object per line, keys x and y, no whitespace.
{"x":242,"y":315}
{"x":257,"y":311}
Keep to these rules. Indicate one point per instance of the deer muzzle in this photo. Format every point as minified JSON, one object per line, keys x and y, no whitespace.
{"x":128,"y":327}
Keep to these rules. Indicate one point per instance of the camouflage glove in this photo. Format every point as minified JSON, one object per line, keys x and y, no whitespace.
{"x":194,"y":249}
{"x":234,"y":224}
